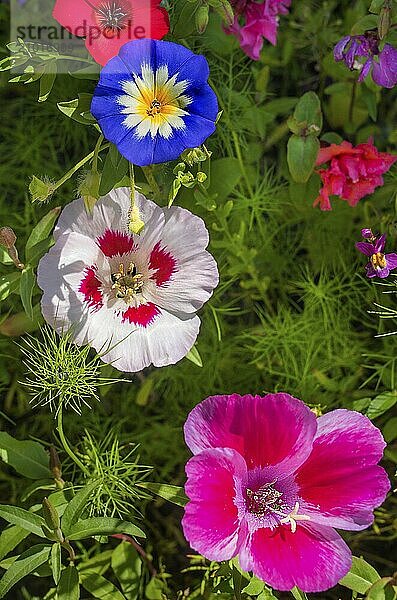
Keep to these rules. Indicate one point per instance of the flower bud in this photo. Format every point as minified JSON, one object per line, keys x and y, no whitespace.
{"x":89,"y":189}
{"x":40,"y":190}
{"x":136,"y":224}
{"x":55,"y":465}
{"x":384,"y":22}
{"x":51,"y":516}
{"x":7,"y":237}
{"x":202,"y":18}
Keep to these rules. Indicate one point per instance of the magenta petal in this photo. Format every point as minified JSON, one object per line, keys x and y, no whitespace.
{"x":365,"y":248}
{"x":340,"y":484}
{"x":210,"y":523}
{"x":274,"y":430}
{"x":391,"y":260}
{"x":314,"y":558}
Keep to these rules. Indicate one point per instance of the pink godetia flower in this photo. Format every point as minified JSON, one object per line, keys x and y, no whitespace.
{"x":133,"y":298}
{"x":269,"y":483}
{"x":379,"y":264}
{"x":352,"y":172}
{"x":256,"y":21}
{"x":107,"y":25}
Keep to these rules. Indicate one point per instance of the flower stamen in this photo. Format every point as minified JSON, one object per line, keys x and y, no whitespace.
{"x":127,"y":283}
{"x":378,"y":260}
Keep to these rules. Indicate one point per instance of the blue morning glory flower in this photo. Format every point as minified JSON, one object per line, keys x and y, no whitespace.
{"x":153,"y":101}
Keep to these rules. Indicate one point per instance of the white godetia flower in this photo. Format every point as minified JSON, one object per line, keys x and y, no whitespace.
{"x":133,"y":298}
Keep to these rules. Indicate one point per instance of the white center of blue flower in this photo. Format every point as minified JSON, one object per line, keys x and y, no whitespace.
{"x":154,"y":103}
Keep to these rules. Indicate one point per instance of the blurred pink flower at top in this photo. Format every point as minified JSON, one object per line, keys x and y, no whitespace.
{"x":107,"y":25}
{"x":270,"y":483}
{"x":260,"y":22}
{"x":352,"y":172}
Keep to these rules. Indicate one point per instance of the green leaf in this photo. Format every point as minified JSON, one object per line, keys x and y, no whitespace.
{"x":113,"y":172}
{"x":172,"y":493}
{"x":56,"y":562}
{"x":225,"y":175}
{"x":26,"y":287}
{"x":99,"y":587}
{"x":78,"y":109}
{"x":9,"y":284}
{"x":76,"y":506}
{"x":127,"y":567}
{"x":302,"y":156}
{"x":194,"y":356}
{"x":99,"y":563}
{"x":41,"y":231}
{"x":102,"y":526}
{"x":10,"y":538}
{"x":308,"y":110}
{"x":68,"y":587}
{"x":377,"y":590}
{"x":390,"y":430}
{"x":381,"y":404}
{"x":360,"y":577}
{"x":26,"y":457}
{"x":364,"y":24}
{"x":4,"y":257}
{"x":298,"y":594}
{"x":47,"y":80}
{"x":254,"y":587}
{"x":23,"y":518}
{"x":28,"y":562}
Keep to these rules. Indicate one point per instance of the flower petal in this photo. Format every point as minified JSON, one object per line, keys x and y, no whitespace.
{"x":340,"y":482}
{"x":274,"y":430}
{"x":210,"y":523}
{"x":314,"y":558}
{"x":195,"y":274}
{"x":365,"y":248}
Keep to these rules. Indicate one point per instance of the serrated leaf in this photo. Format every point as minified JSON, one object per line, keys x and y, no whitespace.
{"x":23,"y":518}
{"x":28,"y":562}
{"x":172,"y":493}
{"x":102,"y":526}
{"x":26,"y":287}
{"x":26,"y":457}
{"x":9,"y":284}
{"x":41,"y":231}
{"x":69,"y":587}
{"x":10,"y":538}
{"x":381,"y":404}
{"x":56,"y":562}
{"x":76,"y":506}
{"x":99,"y":587}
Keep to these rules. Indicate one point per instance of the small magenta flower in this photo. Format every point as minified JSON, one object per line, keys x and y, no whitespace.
{"x":133,"y":298}
{"x":380,"y":264}
{"x":269,"y":483}
{"x":362,"y":53}
{"x":153,"y":101}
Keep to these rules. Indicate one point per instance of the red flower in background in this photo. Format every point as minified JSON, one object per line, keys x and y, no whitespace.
{"x":109,"y":24}
{"x":352,"y":172}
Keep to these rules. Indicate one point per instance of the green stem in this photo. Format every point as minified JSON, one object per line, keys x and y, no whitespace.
{"x":74,"y":169}
{"x":66,"y":446}
{"x":97,"y":150}
{"x":241,"y":162}
{"x":150,"y":178}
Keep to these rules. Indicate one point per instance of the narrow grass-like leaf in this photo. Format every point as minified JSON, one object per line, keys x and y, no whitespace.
{"x":42,"y":231}
{"x":10,"y":538}
{"x":99,"y":587}
{"x":56,"y":562}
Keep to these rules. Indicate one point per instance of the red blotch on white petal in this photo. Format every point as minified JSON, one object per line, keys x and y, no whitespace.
{"x":113,"y":243}
{"x":163,"y":263}
{"x":142,"y":315}
{"x":90,"y":286}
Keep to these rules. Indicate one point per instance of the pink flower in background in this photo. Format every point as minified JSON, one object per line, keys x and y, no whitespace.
{"x":260,"y":21}
{"x":133,"y":298}
{"x":352,"y":172}
{"x":107,"y":25}
{"x":269,"y":482}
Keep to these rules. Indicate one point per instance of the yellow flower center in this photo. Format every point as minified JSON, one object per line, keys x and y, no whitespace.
{"x":378,"y":261}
